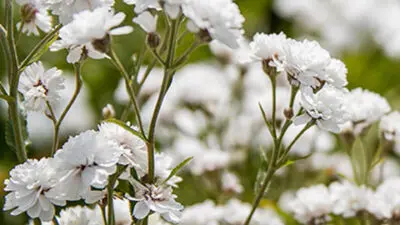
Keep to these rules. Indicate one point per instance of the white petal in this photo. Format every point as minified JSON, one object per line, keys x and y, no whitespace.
{"x":141,"y":210}
{"x":121,"y":30}
{"x":302,"y":119}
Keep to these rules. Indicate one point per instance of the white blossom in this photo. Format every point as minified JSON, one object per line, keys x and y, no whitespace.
{"x":146,"y":21}
{"x":39,"y":86}
{"x":385,"y":204}
{"x":32,"y":188}
{"x":158,"y":199}
{"x":223,"y":25}
{"x":194,"y":214}
{"x":348,"y":198}
{"x":231,"y":183}
{"x":86,"y":161}
{"x":390,"y":125}
{"x":34,"y":15}
{"x":67,"y":9}
{"x":327,"y":107}
{"x":365,"y":108}
{"x":89,"y":34}
{"x":312,"y":203}
{"x":269,"y":47}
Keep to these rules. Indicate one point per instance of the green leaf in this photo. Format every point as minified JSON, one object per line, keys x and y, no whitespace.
{"x":359,"y":161}
{"x":126,"y":127}
{"x":43,"y":49}
{"x":177,"y":168}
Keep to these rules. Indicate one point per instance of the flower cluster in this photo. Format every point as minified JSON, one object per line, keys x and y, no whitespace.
{"x":81,"y":170}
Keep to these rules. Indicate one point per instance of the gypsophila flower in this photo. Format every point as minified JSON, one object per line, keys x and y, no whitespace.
{"x":312,"y":203}
{"x":385,"y":203}
{"x":365,"y":108}
{"x":326,"y":107}
{"x":32,"y":188}
{"x":269,"y":47}
{"x":67,"y":9}
{"x":147,"y":22}
{"x":207,"y":18}
{"x":158,"y":199}
{"x":86,"y":161}
{"x":39,"y":86}
{"x":132,"y":147}
{"x":34,"y":15}
{"x":231,"y":183}
{"x":348,"y":198}
{"x":390,"y":125}
{"x":336,"y":73}
{"x":89,"y":34}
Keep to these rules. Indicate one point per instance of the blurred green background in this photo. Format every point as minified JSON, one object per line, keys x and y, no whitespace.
{"x":368,"y":68}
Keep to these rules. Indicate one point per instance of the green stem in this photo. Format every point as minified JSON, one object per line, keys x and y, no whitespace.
{"x":103,"y":213}
{"x":13,"y":107}
{"x":110,"y":202}
{"x":78,"y":87}
{"x":164,"y":88}
{"x":38,"y":47}
{"x":128,"y":83}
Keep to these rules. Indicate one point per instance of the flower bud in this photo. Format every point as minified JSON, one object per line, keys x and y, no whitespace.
{"x":103,"y":44}
{"x":204,"y":36}
{"x":288,"y":112}
{"x":269,"y":70}
{"x":28,"y":13}
{"x":153,"y":40}
{"x":108,"y":112}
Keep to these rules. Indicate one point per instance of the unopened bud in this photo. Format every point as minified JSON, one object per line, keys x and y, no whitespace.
{"x":153,"y":40}
{"x":204,"y":36}
{"x":28,"y":13}
{"x":108,"y":112}
{"x":288,"y":112}
{"x":268,"y":69}
{"x":103,"y":44}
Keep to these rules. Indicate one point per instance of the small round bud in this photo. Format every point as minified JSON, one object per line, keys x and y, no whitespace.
{"x":288,"y":112}
{"x":28,"y":13}
{"x":108,"y":112}
{"x":204,"y":36}
{"x":153,"y":40}
{"x":103,"y":44}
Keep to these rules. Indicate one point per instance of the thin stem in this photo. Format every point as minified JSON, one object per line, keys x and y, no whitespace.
{"x":55,"y":221}
{"x":52,"y":115}
{"x":2,"y":89}
{"x":12,"y":62}
{"x":103,"y":213}
{"x":78,"y":87}
{"x":117,"y":63}
{"x":164,"y":88}
{"x":146,"y":74}
{"x":110,"y":193}
{"x":184,"y":57}
{"x":39,"y":46}
{"x":156,"y":55}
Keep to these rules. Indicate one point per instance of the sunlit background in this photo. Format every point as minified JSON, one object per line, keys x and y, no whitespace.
{"x":365,"y":34}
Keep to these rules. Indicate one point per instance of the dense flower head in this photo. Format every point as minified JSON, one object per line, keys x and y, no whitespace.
{"x":223,"y":25}
{"x":32,"y":188}
{"x":158,"y":199}
{"x":390,"y":125}
{"x":269,"y":47}
{"x":86,"y":161}
{"x":326,"y":107}
{"x":365,"y":108}
{"x":88,"y":34}
{"x":39,"y":86}
{"x":312,"y":203}
{"x":67,"y":9}
{"x":34,"y":15}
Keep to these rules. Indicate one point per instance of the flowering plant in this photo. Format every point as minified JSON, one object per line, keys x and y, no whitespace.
{"x":286,"y":97}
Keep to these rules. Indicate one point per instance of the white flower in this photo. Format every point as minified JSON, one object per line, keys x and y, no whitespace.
{"x":194,"y":214}
{"x":33,"y":189}
{"x":158,"y":199}
{"x":305,"y":62}
{"x":312,"y":203}
{"x":327,"y":107}
{"x":231,"y":183}
{"x":147,"y":22}
{"x":171,"y":7}
{"x":365,"y":108}
{"x":269,"y":47}
{"x":86,"y":160}
{"x":89,"y":34}
{"x":336,"y":73}
{"x":348,"y":198}
{"x":220,"y":18}
{"x":34,"y":15}
{"x":39,"y":86}
{"x":390,"y":125}
{"x":67,"y":9}
{"x":132,"y":147}
{"x":385,"y":204}
{"x":80,"y":216}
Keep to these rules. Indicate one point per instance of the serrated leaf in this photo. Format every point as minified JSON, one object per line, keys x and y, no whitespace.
{"x":177,"y":168}
{"x":126,"y":127}
{"x":359,"y":161}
